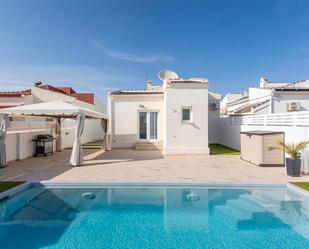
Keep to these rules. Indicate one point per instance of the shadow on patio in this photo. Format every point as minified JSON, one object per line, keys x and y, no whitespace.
{"x":122,"y":155}
{"x":46,"y":168}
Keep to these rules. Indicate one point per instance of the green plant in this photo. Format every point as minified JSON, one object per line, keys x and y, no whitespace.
{"x":292,"y":149}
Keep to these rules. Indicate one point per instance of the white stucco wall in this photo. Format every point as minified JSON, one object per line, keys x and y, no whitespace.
{"x":213,"y":117}
{"x":19,"y":144}
{"x":124,"y":111}
{"x":230,"y":134}
{"x":265,"y":109}
{"x":213,"y":125}
{"x":280,"y":101}
{"x":92,"y":131}
{"x":192,"y":137}
{"x":257,"y":93}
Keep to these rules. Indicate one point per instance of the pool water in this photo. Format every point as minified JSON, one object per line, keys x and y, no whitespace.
{"x":154,"y":217}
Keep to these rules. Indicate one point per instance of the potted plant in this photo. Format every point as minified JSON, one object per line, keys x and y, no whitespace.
{"x":293,"y":163}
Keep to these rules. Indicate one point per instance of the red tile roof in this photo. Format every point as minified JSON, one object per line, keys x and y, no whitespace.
{"x":67,"y":90}
{"x":6,"y":106}
{"x":85,"y":97}
{"x":51,"y":88}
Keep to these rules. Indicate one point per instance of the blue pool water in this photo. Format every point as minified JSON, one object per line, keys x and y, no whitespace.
{"x":157,"y":217}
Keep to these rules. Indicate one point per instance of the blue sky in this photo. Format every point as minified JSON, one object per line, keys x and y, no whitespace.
{"x":97,"y":46}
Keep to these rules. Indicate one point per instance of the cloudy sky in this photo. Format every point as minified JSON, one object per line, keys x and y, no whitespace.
{"x":99,"y":46}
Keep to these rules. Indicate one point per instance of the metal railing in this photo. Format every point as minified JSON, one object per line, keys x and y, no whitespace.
{"x":277,"y":119}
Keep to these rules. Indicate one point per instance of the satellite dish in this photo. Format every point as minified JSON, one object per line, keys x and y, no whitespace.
{"x":167,"y":75}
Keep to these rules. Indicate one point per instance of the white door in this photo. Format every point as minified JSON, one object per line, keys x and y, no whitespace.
{"x":148,"y":126}
{"x":142,"y":125}
{"x":153,"y":126}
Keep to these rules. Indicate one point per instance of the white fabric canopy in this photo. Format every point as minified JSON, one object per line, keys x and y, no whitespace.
{"x":57,"y":108}
{"x":4,"y":125}
{"x":77,"y":151}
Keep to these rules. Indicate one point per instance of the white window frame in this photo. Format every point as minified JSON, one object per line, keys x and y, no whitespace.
{"x":191,"y":116}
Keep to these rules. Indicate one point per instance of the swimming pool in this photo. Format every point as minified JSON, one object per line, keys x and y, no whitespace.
{"x":70,"y":216}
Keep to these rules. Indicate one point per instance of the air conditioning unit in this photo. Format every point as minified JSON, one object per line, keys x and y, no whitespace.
{"x":213,"y":106}
{"x":293,"y":106}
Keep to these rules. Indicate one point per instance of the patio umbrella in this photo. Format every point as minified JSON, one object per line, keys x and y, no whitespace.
{"x":77,"y":151}
{"x":4,"y":125}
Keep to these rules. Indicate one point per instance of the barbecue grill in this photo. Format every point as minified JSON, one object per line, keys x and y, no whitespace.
{"x":43,"y":144}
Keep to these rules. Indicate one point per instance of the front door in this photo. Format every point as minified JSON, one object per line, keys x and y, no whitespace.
{"x":148,"y":125}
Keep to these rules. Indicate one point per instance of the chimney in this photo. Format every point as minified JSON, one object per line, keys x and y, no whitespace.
{"x":37,"y":83}
{"x":263,"y":82}
{"x":149,"y":84}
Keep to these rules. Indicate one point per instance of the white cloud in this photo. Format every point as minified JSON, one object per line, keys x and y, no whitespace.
{"x":82,"y":78}
{"x":131,"y":57}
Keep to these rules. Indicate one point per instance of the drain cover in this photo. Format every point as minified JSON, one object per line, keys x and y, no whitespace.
{"x":88,"y":195}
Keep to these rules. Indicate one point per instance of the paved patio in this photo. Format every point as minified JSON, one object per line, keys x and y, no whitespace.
{"x":144,"y":166}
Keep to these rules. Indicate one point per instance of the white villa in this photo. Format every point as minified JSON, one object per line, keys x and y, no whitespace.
{"x":180,"y":116}
{"x":270,"y":97}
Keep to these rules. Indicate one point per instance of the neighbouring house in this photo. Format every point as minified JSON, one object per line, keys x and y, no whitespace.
{"x":173,"y":116}
{"x":230,"y":98}
{"x":270,"y":97}
{"x":41,"y":92}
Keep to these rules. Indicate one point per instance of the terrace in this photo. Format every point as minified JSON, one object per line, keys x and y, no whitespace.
{"x":126,"y":165}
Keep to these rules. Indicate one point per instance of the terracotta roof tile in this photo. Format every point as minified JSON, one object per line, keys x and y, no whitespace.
{"x":85,"y":97}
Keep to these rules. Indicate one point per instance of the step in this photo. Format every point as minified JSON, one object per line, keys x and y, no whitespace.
{"x":149,"y":145}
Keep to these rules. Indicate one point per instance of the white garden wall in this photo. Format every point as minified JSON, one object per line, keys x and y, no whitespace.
{"x":294,"y":125}
{"x":92,"y":131}
{"x":19,"y":144}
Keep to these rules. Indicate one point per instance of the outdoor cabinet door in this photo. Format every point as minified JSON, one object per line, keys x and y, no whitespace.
{"x":251,"y":148}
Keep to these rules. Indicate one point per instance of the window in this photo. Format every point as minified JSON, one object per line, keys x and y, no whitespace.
{"x":186,"y":114}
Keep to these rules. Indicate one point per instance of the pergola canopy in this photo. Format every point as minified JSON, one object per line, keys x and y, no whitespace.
{"x":56,"y":109}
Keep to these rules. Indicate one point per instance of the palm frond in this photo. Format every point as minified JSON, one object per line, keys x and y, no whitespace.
{"x":300,"y":146}
{"x":292,"y":149}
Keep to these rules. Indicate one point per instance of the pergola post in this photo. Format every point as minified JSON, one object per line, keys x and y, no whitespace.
{"x":58,"y":135}
{"x":104,"y":123}
{"x":4,"y":125}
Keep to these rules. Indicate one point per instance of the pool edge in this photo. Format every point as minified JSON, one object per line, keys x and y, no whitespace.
{"x":159,"y":184}
{"x":12,"y":191}
{"x":297,"y":189}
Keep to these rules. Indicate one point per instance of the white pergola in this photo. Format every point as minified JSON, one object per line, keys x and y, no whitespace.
{"x":58,"y":110}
